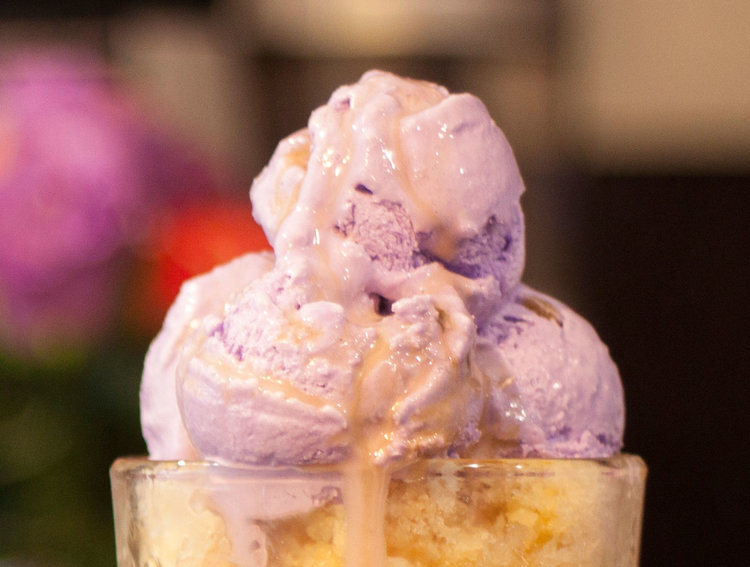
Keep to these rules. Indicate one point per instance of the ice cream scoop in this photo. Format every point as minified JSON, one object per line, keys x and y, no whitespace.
{"x":161,"y":421}
{"x":410,"y":173}
{"x":391,"y":323}
{"x":558,"y":393}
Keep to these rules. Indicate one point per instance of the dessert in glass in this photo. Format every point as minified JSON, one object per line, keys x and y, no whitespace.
{"x":382,"y":389}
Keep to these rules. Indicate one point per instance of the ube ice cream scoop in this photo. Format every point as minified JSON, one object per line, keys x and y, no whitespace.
{"x":199,"y":297}
{"x":392,"y":324}
{"x":410,"y":173}
{"x":557,"y":393}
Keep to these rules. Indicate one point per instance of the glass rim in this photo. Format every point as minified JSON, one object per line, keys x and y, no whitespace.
{"x":621,"y":464}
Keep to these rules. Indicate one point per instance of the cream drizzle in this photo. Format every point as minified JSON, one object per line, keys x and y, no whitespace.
{"x":365,"y":493}
{"x":231,"y":371}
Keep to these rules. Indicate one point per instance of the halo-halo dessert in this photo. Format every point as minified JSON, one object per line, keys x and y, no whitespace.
{"x":382,"y":389}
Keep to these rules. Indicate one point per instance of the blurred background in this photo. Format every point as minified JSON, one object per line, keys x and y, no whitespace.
{"x":130,"y":133}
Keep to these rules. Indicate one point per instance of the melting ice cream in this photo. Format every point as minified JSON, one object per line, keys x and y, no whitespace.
{"x":390,"y":324}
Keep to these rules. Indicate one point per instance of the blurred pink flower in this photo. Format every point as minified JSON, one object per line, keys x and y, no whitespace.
{"x":81,"y":173}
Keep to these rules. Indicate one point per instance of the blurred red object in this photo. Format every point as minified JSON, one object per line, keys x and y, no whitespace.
{"x":188,"y":241}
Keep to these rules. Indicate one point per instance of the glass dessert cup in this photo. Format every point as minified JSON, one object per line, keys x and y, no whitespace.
{"x":436,"y":513}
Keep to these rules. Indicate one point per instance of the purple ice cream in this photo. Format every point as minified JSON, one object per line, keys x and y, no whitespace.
{"x":200,"y":297}
{"x":393,"y":324}
{"x":559,"y":394}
